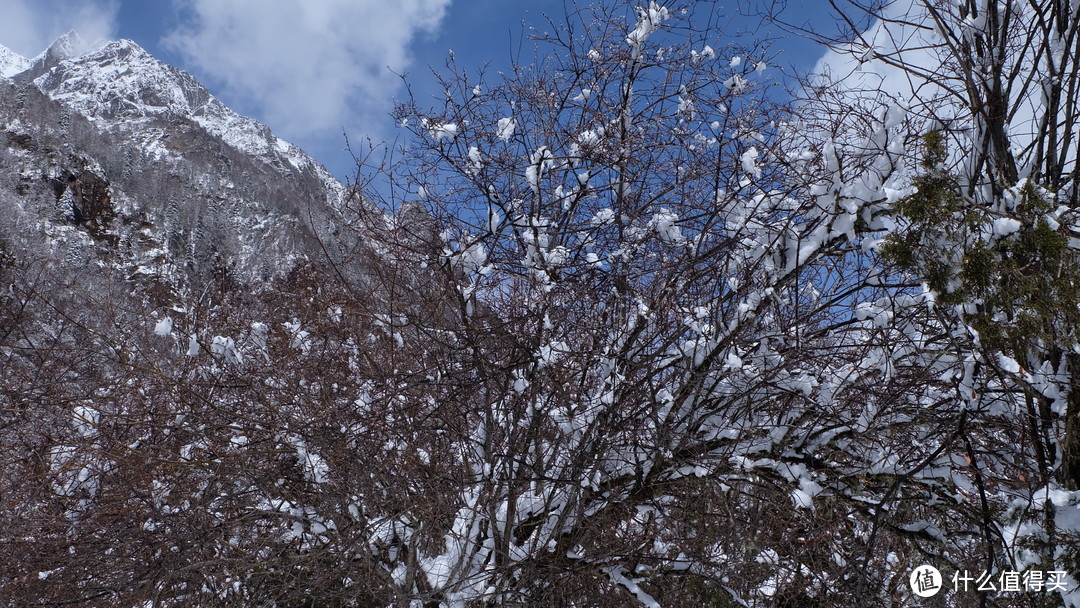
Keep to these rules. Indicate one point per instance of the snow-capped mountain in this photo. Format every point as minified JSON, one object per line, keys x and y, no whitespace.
{"x":109,"y":152}
{"x":122,"y":81}
{"x":11,"y":63}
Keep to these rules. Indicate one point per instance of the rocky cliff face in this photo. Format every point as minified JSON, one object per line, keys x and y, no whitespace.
{"x":110,"y":158}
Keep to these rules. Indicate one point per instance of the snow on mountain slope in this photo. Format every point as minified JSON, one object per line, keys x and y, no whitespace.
{"x":122,"y":81}
{"x":110,"y":153}
{"x":11,"y":63}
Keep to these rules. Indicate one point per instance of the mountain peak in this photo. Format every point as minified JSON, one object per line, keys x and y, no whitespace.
{"x":67,"y":46}
{"x":126,"y":52}
{"x":122,"y":80}
{"x":118,"y":149}
{"x":11,"y":63}
{"x":126,"y":44}
{"x":117,"y":78}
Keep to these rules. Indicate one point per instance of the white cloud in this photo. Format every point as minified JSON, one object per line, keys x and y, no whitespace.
{"x":29,"y":26}
{"x":305,"y":67}
{"x":906,"y":36}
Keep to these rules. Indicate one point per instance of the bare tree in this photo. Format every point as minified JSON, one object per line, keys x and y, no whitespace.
{"x":611,"y":328}
{"x":656,"y":384}
{"x":986,"y":223}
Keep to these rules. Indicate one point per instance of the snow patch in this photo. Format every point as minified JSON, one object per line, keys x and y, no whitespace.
{"x":749,"y":162}
{"x":164,"y":327}
{"x":11,"y":63}
{"x":505,"y":128}
{"x":441,"y":131}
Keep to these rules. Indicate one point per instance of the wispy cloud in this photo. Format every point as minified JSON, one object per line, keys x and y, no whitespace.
{"x":305,"y":67}
{"x":29,"y":26}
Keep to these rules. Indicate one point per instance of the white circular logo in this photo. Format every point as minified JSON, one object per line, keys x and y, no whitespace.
{"x":925,"y":581}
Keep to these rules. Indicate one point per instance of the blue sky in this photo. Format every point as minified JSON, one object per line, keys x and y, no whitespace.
{"x":315,"y":69}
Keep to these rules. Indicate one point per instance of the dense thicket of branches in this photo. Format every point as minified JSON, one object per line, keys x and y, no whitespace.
{"x":618,"y":329}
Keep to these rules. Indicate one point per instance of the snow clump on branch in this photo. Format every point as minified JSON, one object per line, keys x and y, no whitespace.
{"x":649,"y":19}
